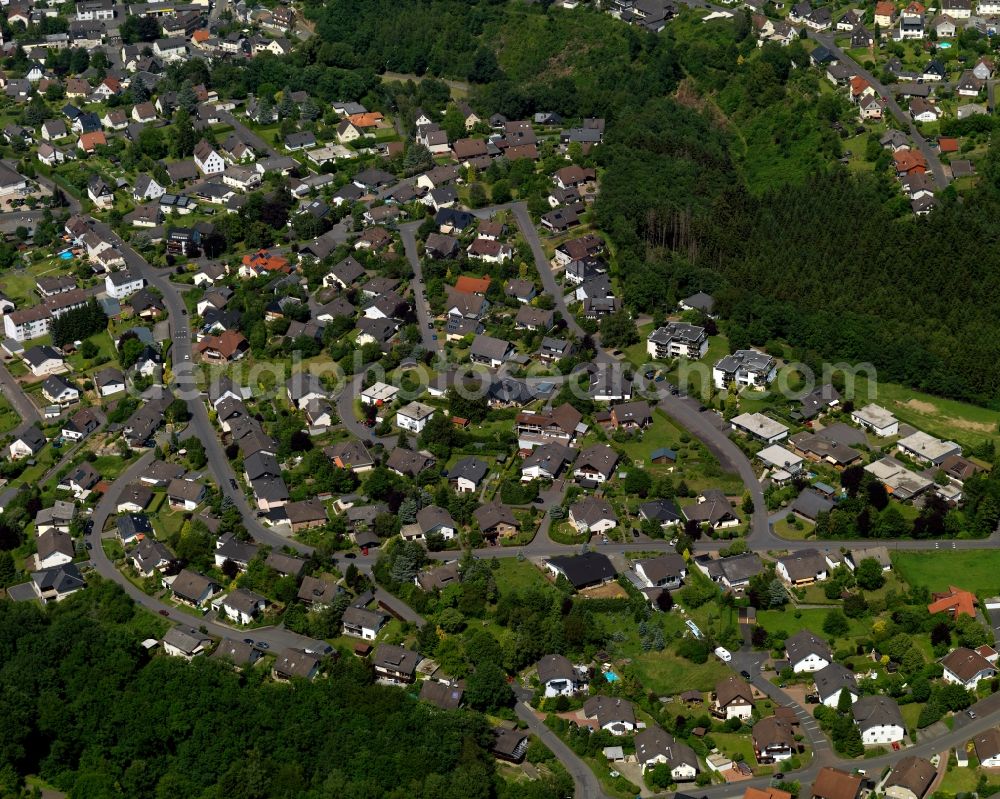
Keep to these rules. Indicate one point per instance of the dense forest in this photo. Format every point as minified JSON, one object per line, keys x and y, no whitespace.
{"x":89,"y":711}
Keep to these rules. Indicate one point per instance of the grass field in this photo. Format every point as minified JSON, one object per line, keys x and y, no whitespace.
{"x":8,"y":417}
{"x":808,"y":619}
{"x":944,"y":418}
{"x":792,"y":533}
{"x":975,"y":570}
{"x":519,"y":575}
{"x":959,"y":780}
{"x":666,"y":673}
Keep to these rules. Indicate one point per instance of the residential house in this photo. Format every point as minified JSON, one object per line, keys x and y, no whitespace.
{"x":807,"y":652}
{"x":192,"y":588}
{"x":363,"y":623}
{"x":582,"y":571}
{"x":733,"y":699}
{"x":802,"y":567}
{"x":654,"y":746}
{"x":876,"y":419}
{"x":879,"y":720}
{"x":185,"y":642}
{"x":558,"y":677}
{"x":966,"y":667}
{"x":614,"y":715}
{"x":910,"y":778}
{"x":744,"y":368}
{"x":467,"y":474}
{"x":773,"y":740}
{"x":395,"y":664}
{"x":593,"y":515}
{"x":760,"y":427}
{"x":665,"y":571}
{"x":295,"y":663}
{"x":243,"y":606}
{"x":831,"y":681}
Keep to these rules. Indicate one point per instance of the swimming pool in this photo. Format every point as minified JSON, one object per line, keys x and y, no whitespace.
{"x":610,"y":676}
{"x":66,"y":255}
{"x":944,"y":45}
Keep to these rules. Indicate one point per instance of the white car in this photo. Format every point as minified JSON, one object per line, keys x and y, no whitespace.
{"x":723,"y":654}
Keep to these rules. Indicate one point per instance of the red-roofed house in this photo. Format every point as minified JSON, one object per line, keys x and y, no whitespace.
{"x":89,"y":142}
{"x":230,"y":346}
{"x":262,"y":262}
{"x":473,"y":285}
{"x":955,"y":603}
{"x":947,"y":145}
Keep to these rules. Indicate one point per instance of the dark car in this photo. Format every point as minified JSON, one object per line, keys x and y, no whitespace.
{"x":263,"y":645}
{"x":164,"y":612}
{"x":232,"y":482}
{"x":350,"y":555}
{"x":650,"y":374}
{"x":88,"y":527}
{"x":184,"y":312}
{"x":88,"y":545}
{"x":745,"y":674}
{"x":779,"y":776}
{"x":248,"y":641}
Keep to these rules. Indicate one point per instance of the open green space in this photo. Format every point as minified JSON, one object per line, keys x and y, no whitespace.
{"x":792,"y":620}
{"x":519,"y":575}
{"x":976,"y":570}
{"x":948,"y":419}
{"x":8,"y":416}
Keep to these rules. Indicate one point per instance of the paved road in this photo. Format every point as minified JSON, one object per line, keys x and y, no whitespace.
{"x":543,"y":266}
{"x":432,"y":342}
{"x":246,"y":134}
{"x":941,"y":177}
{"x":586,"y":782}
{"x":21,"y":402}
{"x":187,"y":389}
{"x":277,"y":638}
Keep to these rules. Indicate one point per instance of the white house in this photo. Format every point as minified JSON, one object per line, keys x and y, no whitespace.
{"x":879,"y":720}
{"x":122,"y":284}
{"x":733,"y":699}
{"x":363,"y":623}
{"x":558,"y":676}
{"x":208,"y":161}
{"x":54,"y":548}
{"x":414,"y":417}
{"x":744,"y":368}
{"x":987,"y":746}
{"x":759,"y":426}
{"x":654,"y":746}
{"x":966,"y":667}
{"x":832,"y":680}
{"x":243,"y":606}
{"x":807,"y":652}
{"x":877,"y":419}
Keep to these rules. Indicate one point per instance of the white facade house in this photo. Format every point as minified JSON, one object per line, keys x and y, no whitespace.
{"x":744,"y":368}
{"x":414,"y":417}
{"x":759,"y":426}
{"x":807,"y":652}
{"x":879,"y":720}
{"x":876,"y":419}
{"x":122,"y":284}
{"x":966,"y":667}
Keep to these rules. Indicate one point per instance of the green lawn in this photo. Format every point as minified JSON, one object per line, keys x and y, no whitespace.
{"x":666,"y":673}
{"x":519,"y":575}
{"x":791,"y":621}
{"x":793,"y":533}
{"x":105,"y":353}
{"x":718,"y":347}
{"x":944,"y":418}
{"x":8,"y":417}
{"x":976,"y":570}
{"x":958,"y":780}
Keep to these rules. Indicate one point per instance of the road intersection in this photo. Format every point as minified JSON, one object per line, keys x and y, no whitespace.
{"x":702,"y":424}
